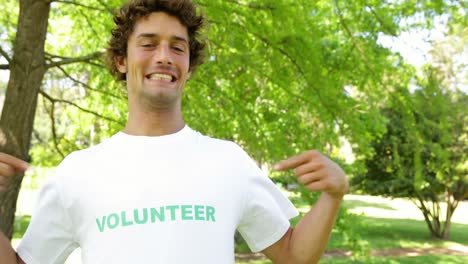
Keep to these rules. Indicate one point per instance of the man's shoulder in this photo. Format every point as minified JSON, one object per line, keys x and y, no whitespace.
{"x":219,"y":144}
{"x":224,"y":150}
{"x":88,"y":153}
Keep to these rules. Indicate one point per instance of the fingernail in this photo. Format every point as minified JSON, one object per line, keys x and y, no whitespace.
{"x":26,"y":166}
{"x":277,"y":167}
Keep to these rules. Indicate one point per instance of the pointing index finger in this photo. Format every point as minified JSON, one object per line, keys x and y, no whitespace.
{"x":16,"y":163}
{"x":294,"y":161}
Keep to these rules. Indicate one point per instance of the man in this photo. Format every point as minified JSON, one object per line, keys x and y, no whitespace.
{"x":159,"y":192}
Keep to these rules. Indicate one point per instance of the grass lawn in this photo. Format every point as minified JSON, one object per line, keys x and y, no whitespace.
{"x":383,"y":233}
{"x":428,"y":259}
{"x":397,"y":224}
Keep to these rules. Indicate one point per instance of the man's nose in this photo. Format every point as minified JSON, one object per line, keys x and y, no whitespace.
{"x":163,"y":54}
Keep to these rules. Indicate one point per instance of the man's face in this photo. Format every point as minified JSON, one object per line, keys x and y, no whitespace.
{"x":157,"y":62}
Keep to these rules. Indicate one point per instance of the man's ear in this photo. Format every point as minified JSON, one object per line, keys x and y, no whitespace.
{"x":189,"y":74}
{"x":121,"y":64}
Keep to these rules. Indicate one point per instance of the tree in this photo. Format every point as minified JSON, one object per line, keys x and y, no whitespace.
{"x":27,"y":67}
{"x":423,"y":153}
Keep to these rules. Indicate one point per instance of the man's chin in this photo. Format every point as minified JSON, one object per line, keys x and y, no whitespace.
{"x":160,"y":99}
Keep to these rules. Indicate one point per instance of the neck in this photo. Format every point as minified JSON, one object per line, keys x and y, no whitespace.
{"x":154,"y":123}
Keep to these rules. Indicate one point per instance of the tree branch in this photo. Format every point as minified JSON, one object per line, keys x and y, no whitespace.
{"x":251,"y":5}
{"x":54,"y":130}
{"x":50,"y":98}
{"x":353,"y":39}
{"x":68,"y":60}
{"x":236,"y":104}
{"x":5,"y":55}
{"x":78,"y":4}
{"x":88,"y":21}
{"x":388,"y":29}
{"x":108,"y":8}
{"x":37,"y":136}
{"x":426,"y":213}
{"x":86,"y":86}
{"x":95,"y":64}
{"x":4,"y":66}
{"x":299,"y":69}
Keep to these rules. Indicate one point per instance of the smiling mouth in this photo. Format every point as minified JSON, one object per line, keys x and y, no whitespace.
{"x":161,"y":77}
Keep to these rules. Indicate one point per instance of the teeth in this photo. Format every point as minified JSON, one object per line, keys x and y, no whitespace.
{"x":159,"y":76}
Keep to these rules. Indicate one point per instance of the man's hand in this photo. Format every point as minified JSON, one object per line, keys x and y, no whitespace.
{"x":317,"y":173}
{"x":9,"y":166}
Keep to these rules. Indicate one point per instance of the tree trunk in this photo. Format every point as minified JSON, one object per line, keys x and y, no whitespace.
{"x":447,"y":225}
{"x":451,"y":206}
{"x":426,"y":213}
{"x":27,"y":69}
{"x":435,"y":226}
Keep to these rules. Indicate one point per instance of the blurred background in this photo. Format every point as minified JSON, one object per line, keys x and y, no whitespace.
{"x":378,"y":86}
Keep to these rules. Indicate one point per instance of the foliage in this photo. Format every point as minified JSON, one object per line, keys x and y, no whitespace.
{"x":281,"y":76}
{"x":423,"y":153}
{"x":349,"y":226}
{"x":276,"y":81}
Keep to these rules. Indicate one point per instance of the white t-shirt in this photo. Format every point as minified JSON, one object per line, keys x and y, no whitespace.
{"x":176,"y":198}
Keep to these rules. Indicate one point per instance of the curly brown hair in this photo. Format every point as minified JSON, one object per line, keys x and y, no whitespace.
{"x":126,"y":17}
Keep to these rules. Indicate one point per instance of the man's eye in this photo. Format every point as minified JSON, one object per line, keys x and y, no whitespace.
{"x":147,"y":45}
{"x":178,"y":49}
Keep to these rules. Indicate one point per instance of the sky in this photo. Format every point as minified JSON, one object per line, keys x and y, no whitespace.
{"x":414,"y":45}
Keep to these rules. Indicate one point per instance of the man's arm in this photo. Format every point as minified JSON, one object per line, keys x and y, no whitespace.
{"x":7,"y":253}
{"x":9,"y":166}
{"x":307,"y":241}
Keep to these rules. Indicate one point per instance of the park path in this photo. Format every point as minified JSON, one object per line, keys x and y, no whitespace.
{"x":458,"y":250}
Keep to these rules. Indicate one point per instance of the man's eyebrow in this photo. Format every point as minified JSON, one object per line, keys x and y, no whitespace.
{"x":180,"y":39}
{"x":153,"y":35}
{"x":147,"y":35}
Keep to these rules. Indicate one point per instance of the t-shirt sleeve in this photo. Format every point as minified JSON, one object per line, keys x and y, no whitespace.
{"x":266,"y":213}
{"x":49,"y":237}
